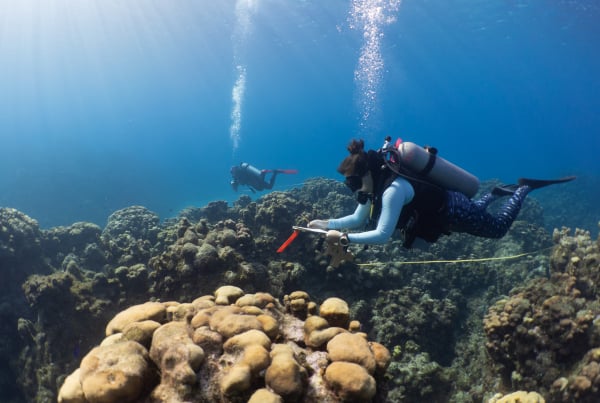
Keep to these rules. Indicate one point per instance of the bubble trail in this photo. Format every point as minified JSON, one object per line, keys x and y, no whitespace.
{"x":237,"y":96}
{"x":370,"y":16}
{"x":244,"y":10}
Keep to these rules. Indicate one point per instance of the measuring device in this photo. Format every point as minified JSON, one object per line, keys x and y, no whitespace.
{"x":338,"y":252}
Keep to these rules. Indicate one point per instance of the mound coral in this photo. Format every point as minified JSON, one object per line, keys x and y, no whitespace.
{"x":230,"y":347}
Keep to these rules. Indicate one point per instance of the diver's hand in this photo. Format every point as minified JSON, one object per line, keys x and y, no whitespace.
{"x":318,"y":224}
{"x":334,"y":236}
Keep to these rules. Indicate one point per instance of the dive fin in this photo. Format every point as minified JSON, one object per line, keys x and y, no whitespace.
{"x":540,"y":183}
{"x":286,"y":171}
{"x":504,"y":190}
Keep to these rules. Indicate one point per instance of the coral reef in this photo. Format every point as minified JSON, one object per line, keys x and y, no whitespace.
{"x":409,"y":314}
{"x":21,"y":255}
{"x":545,"y":334}
{"x":227,"y":347}
{"x":456,"y":328}
{"x":78,"y":245}
{"x":130,"y":235}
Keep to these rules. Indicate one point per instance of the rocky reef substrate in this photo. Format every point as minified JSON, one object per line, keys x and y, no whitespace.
{"x":519,"y":325}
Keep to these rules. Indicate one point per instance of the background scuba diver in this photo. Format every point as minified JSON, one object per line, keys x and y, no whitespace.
{"x":246,"y":174}
{"x":405,"y":200}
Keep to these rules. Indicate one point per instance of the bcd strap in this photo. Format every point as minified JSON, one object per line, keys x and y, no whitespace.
{"x":409,"y":231}
{"x":430,"y":163}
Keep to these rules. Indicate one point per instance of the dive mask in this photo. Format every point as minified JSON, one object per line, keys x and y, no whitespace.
{"x":354,"y":182}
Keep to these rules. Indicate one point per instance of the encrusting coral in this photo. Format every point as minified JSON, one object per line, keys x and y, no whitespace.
{"x":545,"y":334}
{"x":230,"y":347}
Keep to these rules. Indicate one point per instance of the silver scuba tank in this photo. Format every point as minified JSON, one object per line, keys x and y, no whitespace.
{"x":441,"y":172}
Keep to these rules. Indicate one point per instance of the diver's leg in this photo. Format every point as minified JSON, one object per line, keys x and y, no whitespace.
{"x":468,"y":216}
{"x":272,"y":181}
{"x":485,"y":200}
{"x":508,"y":213}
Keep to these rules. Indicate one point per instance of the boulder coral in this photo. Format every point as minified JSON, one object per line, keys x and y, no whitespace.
{"x":217,"y":349}
{"x":354,"y":348}
{"x":351,"y":381}
{"x":285,"y":376}
{"x":137,"y":313}
{"x":174,"y":351}
{"x":117,"y":372}
{"x":518,"y":397}
{"x":336,"y":312}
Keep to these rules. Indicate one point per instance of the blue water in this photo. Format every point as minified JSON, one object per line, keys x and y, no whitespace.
{"x":110,"y":103}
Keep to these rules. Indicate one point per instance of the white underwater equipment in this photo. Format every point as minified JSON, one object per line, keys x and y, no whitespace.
{"x":428,"y":164}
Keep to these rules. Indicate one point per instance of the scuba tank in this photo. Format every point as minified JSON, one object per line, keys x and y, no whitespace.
{"x":250,"y":169}
{"x":425,"y":163}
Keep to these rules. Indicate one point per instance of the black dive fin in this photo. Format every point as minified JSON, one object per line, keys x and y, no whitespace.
{"x":504,"y":190}
{"x":540,"y":183}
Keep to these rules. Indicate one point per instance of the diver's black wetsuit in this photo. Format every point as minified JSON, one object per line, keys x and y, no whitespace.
{"x":246,"y":174}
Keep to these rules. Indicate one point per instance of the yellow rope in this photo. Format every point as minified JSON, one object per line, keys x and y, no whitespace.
{"x":484,"y":259}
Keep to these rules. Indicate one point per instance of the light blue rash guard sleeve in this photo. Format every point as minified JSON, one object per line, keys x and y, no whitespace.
{"x":355,"y":220}
{"x":396,"y":196}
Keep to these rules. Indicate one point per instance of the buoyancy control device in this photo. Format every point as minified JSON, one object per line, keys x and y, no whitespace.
{"x":425,"y":162}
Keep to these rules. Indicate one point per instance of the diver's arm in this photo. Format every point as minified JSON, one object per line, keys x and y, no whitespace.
{"x":399,"y":193}
{"x":355,"y":220}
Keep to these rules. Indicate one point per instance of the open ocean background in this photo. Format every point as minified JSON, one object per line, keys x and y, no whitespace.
{"x":111,"y":103}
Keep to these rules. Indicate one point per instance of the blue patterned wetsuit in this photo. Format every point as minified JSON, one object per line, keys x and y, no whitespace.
{"x":465,"y":215}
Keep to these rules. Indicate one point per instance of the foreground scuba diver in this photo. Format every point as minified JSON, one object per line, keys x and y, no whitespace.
{"x":394,"y":196}
{"x":246,"y":174}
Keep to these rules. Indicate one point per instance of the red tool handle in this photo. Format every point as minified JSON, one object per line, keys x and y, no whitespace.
{"x":288,"y":241}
